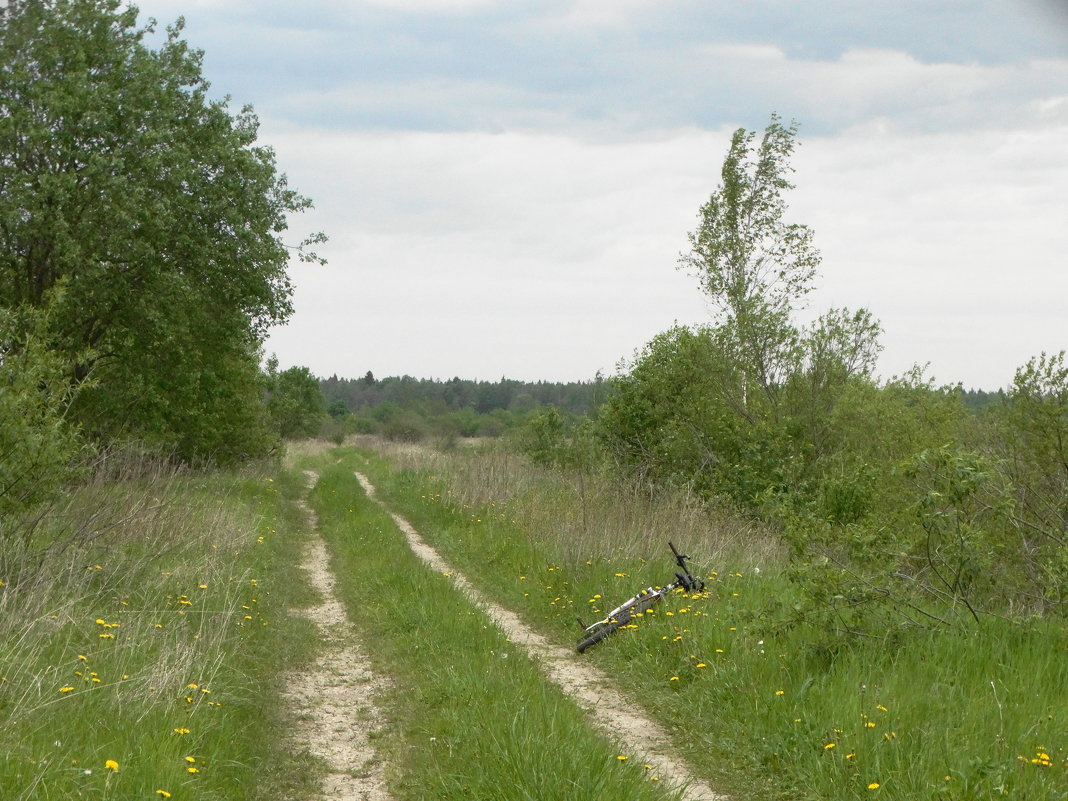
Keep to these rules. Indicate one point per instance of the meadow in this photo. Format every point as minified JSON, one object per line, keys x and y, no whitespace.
{"x":761,"y":705}
{"x":148,"y":633}
{"x":145,"y":636}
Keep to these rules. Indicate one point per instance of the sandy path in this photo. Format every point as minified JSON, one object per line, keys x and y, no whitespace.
{"x":640,"y":737}
{"x":332,"y":704}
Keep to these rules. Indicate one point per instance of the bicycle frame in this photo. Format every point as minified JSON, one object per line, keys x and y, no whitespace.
{"x":650,"y":596}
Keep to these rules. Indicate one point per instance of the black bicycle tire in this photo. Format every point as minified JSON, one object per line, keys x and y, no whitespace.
{"x":601,"y":633}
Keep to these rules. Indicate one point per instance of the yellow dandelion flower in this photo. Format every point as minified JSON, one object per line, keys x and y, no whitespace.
{"x":192,"y":770}
{"x":780,"y":692}
{"x":190,"y":759}
{"x":873,"y":786}
{"x":66,"y":689}
{"x":828,"y":746}
{"x":163,"y":793}
{"x":112,"y":765}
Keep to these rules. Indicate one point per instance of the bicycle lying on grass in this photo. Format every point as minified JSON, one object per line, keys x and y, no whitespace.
{"x":621,"y":615}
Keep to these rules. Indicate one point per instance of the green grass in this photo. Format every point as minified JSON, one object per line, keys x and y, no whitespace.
{"x":470,"y":716}
{"x":144,"y":631}
{"x":760,"y":708}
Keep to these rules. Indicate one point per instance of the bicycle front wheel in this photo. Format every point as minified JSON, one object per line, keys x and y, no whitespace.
{"x":602,"y":632}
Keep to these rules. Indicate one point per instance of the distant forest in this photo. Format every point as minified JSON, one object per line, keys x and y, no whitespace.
{"x":403,"y":407}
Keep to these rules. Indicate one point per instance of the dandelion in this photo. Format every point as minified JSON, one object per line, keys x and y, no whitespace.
{"x":622,"y":758}
{"x":112,"y":765}
{"x":192,"y":770}
{"x":828,"y":747}
{"x":180,"y":731}
{"x":700,"y":664}
{"x":870,"y":724}
{"x":881,"y":708}
{"x":66,"y":689}
{"x":873,"y":786}
{"x":190,"y":759}
{"x":163,"y":793}
{"x":780,"y":692}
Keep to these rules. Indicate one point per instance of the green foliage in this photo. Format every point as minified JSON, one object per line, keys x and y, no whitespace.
{"x":38,"y":444}
{"x":450,"y":410}
{"x":294,"y":401}
{"x":147,"y":217}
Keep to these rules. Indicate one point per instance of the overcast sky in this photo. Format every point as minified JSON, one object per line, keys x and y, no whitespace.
{"x":507,"y":184}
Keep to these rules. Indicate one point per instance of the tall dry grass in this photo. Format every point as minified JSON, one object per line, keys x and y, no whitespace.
{"x":585,"y":515}
{"x":114,"y":600}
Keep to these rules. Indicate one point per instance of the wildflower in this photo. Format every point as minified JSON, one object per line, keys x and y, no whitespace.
{"x":780,"y":692}
{"x":190,"y":759}
{"x":66,"y":689}
{"x":181,"y":731}
{"x":870,"y":724}
{"x":112,"y":765}
{"x":83,"y":657}
{"x":700,"y":664}
{"x":881,"y":708}
{"x":163,"y":793}
{"x":622,"y":758}
{"x":873,"y":786}
{"x":192,"y":770}
{"x":828,"y":746}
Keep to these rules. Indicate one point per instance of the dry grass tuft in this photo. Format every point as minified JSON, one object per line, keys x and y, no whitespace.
{"x":593,"y":515}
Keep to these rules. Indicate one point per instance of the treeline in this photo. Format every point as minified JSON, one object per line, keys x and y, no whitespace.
{"x":904,"y":504}
{"x":407,"y":408}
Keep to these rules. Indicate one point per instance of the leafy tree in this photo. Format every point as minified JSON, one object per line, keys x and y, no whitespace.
{"x":754,"y":267}
{"x":294,"y":400}
{"x":146,"y":217}
{"x":38,"y":445}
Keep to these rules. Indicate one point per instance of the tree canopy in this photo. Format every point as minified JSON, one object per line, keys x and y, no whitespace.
{"x":148,"y":221}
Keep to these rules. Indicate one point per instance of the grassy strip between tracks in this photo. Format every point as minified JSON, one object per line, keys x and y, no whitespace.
{"x":144,"y":638}
{"x":469,"y":716}
{"x":761,"y":710}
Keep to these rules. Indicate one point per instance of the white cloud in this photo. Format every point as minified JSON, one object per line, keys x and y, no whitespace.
{"x":544,"y":256}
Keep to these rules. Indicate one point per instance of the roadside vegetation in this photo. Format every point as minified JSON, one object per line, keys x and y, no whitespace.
{"x":145,"y":635}
{"x":763,"y":704}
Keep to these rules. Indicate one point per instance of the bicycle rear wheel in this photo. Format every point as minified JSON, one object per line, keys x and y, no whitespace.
{"x":601,"y":633}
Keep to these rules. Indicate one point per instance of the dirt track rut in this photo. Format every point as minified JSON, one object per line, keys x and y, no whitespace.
{"x":333,"y":702}
{"x":639,"y":736}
